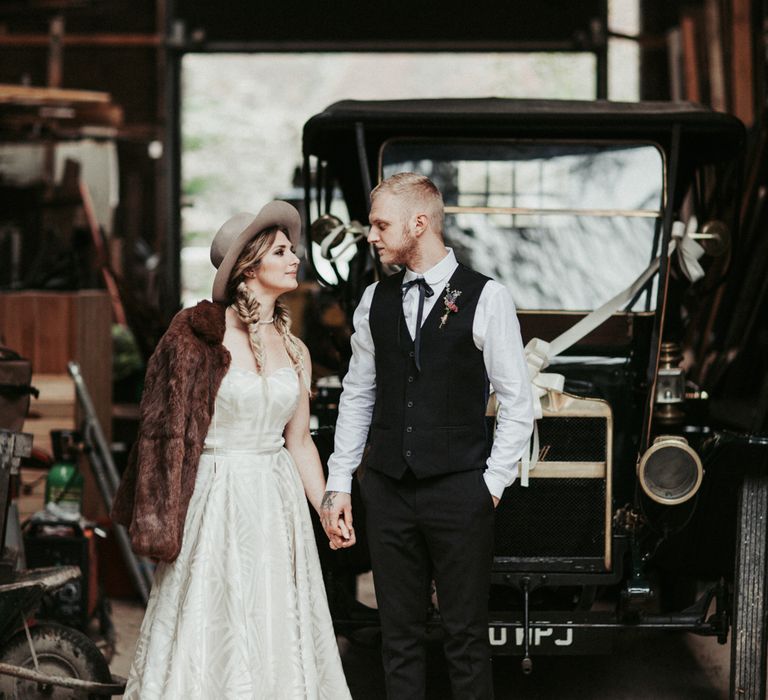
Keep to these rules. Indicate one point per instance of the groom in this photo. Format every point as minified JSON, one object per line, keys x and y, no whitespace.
{"x":427,"y":341}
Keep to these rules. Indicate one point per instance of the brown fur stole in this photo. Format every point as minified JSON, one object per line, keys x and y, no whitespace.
{"x":182,"y":380}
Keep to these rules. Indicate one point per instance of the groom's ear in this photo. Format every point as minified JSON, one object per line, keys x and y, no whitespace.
{"x":420,"y":224}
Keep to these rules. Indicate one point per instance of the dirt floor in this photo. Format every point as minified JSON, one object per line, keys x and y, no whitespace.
{"x":641,"y":666}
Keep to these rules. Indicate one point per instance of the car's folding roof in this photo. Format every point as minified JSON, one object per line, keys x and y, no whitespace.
{"x":706,"y":136}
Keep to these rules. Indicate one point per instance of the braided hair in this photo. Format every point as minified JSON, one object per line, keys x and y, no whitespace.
{"x":248,"y":311}
{"x":290,"y":341}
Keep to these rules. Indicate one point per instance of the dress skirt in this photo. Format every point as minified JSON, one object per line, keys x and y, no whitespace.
{"x":242,"y":611}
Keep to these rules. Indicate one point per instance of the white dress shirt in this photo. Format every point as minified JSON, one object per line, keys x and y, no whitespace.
{"x":496,"y":332}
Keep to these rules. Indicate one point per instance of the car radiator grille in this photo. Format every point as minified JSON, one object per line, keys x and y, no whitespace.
{"x":565,"y":511}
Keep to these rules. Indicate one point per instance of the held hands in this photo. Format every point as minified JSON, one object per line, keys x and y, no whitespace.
{"x":336,"y":519}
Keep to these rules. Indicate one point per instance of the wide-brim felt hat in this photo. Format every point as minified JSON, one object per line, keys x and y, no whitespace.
{"x":236,"y":232}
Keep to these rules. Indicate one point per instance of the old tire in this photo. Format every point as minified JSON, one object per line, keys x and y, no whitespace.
{"x":61,"y":651}
{"x":749,"y":618}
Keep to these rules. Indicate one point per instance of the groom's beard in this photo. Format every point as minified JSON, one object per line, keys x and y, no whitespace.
{"x":407,"y":253}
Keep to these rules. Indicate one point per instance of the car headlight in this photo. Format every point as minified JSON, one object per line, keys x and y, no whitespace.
{"x":670,"y":471}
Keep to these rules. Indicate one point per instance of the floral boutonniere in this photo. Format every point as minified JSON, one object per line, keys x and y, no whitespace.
{"x":449,"y":302}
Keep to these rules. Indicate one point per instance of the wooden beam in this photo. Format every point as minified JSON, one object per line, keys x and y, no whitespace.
{"x":107,"y":41}
{"x":20,"y":94}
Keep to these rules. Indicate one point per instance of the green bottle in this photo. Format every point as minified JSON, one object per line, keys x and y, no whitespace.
{"x":64,"y":484}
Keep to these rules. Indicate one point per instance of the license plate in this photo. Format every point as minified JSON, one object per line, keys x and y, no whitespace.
{"x":508,"y":639}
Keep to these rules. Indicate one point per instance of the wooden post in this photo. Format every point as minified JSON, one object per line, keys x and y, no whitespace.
{"x":56,"y":52}
{"x":718,"y":97}
{"x":691,"y":59}
{"x":742,"y":81}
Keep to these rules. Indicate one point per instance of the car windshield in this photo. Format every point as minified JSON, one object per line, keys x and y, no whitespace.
{"x":565,"y":226}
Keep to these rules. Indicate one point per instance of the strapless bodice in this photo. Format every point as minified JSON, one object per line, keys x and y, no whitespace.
{"x":252,"y":410}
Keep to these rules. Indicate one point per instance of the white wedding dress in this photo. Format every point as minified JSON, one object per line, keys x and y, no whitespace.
{"x":242,"y":612}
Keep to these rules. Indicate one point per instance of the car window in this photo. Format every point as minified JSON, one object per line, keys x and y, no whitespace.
{"x":565,"y":226}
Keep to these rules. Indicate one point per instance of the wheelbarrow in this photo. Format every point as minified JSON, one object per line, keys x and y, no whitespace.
{"x":47,"y":660}
{"x":41,"y":659}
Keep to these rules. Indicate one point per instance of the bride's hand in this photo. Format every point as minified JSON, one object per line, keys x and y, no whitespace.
{"x":347,"y":537}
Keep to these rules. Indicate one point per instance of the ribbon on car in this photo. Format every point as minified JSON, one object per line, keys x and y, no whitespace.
{"x":539,"y":353}
{"x":342,"y":233}
{"x":688,"y":250}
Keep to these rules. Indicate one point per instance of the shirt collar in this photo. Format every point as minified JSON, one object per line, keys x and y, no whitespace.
{"x":437,"y":274}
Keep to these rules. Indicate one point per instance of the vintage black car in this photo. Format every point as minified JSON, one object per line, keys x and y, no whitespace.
{"x":641,"y":510}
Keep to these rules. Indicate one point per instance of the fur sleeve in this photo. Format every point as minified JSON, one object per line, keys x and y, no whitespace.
{"x":147,"y":500}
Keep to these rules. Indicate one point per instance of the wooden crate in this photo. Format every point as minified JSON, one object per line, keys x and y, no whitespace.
{"x":52,"y":328}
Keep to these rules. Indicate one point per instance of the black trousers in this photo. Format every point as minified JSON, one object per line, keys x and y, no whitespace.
{"x":440,"y":528}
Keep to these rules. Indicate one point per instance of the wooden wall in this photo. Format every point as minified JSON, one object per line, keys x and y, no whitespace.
{"x":112,"y":46}
{"x":705,"y":51}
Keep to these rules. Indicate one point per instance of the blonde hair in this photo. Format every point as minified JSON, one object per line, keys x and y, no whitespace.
{"x":416,"y":191}
{"x":247,"y":306}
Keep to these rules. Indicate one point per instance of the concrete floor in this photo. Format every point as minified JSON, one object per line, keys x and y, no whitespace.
{"x":642,"y":665}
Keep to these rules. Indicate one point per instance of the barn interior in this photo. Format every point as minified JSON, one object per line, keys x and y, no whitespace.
{"x":130,"y":129}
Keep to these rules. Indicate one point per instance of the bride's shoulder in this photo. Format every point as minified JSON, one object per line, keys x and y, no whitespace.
{"x":304,"y":349}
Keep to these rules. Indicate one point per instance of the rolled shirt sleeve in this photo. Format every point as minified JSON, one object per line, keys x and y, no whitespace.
{"x":357,"y":401}
{"x":496,"y":332}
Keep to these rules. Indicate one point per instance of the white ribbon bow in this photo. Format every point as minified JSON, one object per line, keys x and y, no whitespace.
{"x":688,"y":250}
{"x":357,"y":233}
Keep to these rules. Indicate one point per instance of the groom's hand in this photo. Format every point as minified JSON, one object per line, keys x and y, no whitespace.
{"x":336,"y":519}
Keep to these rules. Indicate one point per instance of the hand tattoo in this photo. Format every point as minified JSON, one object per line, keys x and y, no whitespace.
{"x":327,"y":502}
{"x":326,"y":508}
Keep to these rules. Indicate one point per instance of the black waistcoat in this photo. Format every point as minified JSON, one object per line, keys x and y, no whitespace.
{"x":432,"y":421}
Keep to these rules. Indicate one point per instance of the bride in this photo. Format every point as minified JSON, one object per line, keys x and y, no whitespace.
{"x":217,"y":485}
